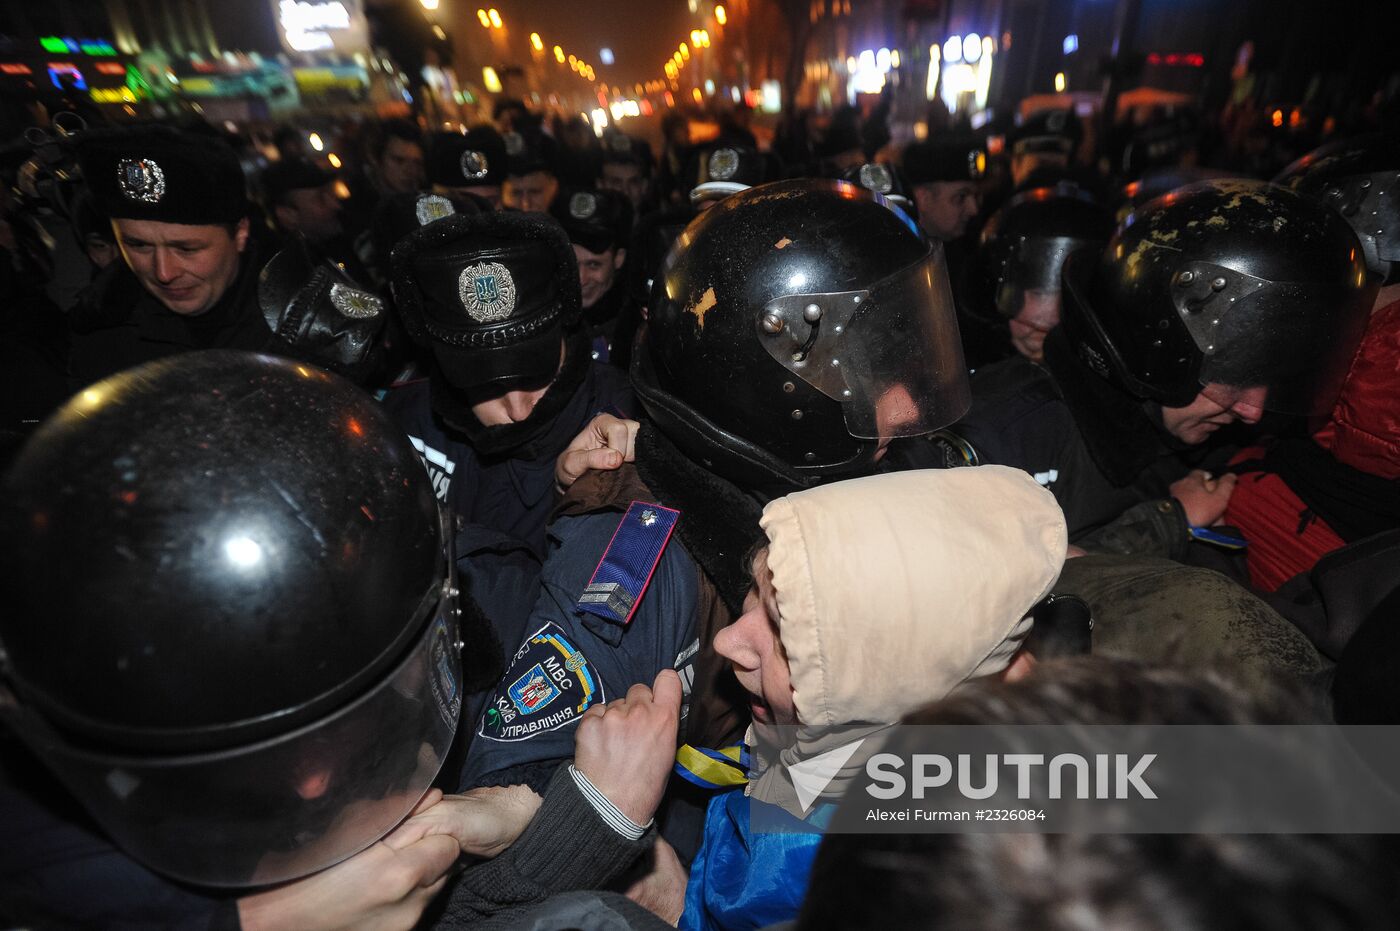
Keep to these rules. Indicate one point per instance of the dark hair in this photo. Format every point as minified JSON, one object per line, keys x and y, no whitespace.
{"x":1127,"y":882}
{"x":403,"y":130}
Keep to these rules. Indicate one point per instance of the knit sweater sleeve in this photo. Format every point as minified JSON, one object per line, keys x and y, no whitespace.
{"x":567,"y":846}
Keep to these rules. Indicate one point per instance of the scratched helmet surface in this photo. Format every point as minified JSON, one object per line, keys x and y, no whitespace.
{"x":1238,"y":289}
{"x":792,"y":327}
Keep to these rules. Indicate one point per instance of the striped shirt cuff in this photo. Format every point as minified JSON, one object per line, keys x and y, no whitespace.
{"x":606,"y":809}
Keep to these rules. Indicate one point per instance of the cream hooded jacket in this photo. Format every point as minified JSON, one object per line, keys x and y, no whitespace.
{"x":893,"y":589}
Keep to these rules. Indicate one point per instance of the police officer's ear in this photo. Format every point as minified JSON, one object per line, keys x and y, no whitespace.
{"x":619,"y":258}
{"x":240,"y":234}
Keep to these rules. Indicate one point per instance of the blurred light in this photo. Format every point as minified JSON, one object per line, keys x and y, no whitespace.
{"x":437,"y":31}
{"x":600,"y":121}
{"x":772,"y":97}
{"x":850,"y":64}
{"x":1277,"y":118}
{"x":536,"y":41}
{"x":243,"y":552}
{"x":957,"y":79}
{"x":882,"y":59}
{"x":670,"y":100}
{"x":694,"y":4}
{"x":866,"y":60}
{"x":921,"y":130}
{"x":1071,"y":44}
{"x":573,"y":62}
{"x":342,"y":190}
{"x":734,"y":94}
{"x":695,"y":37}
{"x":931,"y":86}
{"x":720,"y":16}
{"x":704,"y":39}
{"x":685,"y":52}
{"x":1059,"y":82}
{"x":972,"y":47}
{"x":605,"y":55}
{"x":894,"y":58}
{"x":558,"y":54}
{"x":989,"y":47}
{"x":495,"y":17}
{"x":709,"y":88}
{"x":491,"y":79}
{"x":334,"y":160}
{"x":952,"y":49}
{"x":485,"y":20}
{"x":696,"y":94}
{"x":429,"y":4}
{"x":315,"y":140}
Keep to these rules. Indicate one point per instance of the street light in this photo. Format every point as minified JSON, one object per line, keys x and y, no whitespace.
{"x":536,"y":41}
{"x":720,"y":16}
{"x":485,"y":20}
{"x":429,"y":5}
{"x":495,"y":18}
{"x":558,"y":54}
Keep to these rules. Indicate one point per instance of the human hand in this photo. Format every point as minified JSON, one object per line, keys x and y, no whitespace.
{"x":662,"y":890}
{"x":483,"y":822}
{"x":627,"y":747}
{"x":606,"y":443}
{"x":1203,"y":497}
{"x":385,"y":886}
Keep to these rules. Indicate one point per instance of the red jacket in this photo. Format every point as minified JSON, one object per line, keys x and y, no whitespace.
{"x":1363,"y":432}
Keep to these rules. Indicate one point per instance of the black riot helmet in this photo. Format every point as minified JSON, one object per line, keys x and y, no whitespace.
{"x":1025,"y":243}
{"x":1360,"y":179}
{"x":885,"y":180}
{"x":1154,"y":184}
{"x":791,"y":327}
{"x":231,"y":626}
{"x":1239,"y":288}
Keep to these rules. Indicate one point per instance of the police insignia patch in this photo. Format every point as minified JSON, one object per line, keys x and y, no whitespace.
{"x":443,"y":681}
{"x":474,"y":165}
{"x":876,"y":177}
{"x":549,"y":685}
{"x":141,"y":179}
{"x":432,"y":207}
{"x":724,"y":163}
{"x":487,"y":291}
{"x":354,"y":303}
{"x":582,"y":205}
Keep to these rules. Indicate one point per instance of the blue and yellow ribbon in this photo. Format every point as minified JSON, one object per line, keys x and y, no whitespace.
{"x":713,"y":769}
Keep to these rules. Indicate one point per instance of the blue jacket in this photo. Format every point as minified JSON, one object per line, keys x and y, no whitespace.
{"x":747,"y":879}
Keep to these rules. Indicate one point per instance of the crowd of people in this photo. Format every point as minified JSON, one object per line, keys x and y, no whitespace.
{"x":422,"y":542}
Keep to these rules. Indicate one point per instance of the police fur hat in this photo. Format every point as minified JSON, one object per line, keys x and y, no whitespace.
{"x":477,"y":158}
{"x":530,"y":151}
{"x":164,"y":174}
{"x":595,"y":219}
{"x":400,"y":214}
{"x":1053,"y":131}
{"x":489,"y":295}
{"x":292,"y":174}
{"x":950,"y":158}
{"x":723,"y":168}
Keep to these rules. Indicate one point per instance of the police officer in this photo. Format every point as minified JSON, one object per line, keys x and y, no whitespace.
{"x":189,"y":275}
{"x":300,"y":200}
{"x":232,"y":634}
{"x":599,"y":224}
{"x":532,"y":172}
{"x":797,"y":328}
{"x":1023,"y":249}
{"x":945,"y":174}
{"x":493,"y":303}
{"x":1214,"y":304}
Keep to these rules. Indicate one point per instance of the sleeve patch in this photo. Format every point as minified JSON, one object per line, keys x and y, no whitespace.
{"x":549,"y":685}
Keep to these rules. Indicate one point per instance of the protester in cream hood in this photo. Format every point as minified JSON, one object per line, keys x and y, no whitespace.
{"x":873,"y":597}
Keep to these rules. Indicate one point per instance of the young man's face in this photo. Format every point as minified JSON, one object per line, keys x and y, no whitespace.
{"x":401,"y":166}
{"x":530,"y":193}
{"x":946,"y":207}
{"x":187,"y":268}
{"x":755,"y":652}
{"x":312,"y":212}
{"x":513,"y":406}
{"x":625,"y":179}
{"x":597,"y":271}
